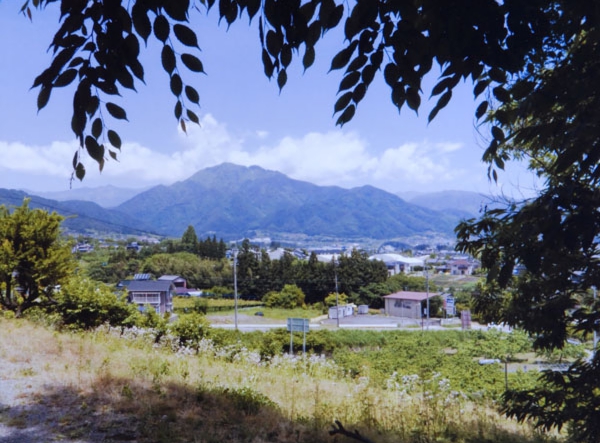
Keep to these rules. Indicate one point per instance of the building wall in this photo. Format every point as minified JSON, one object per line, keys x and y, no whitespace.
{"x":403,"y":308}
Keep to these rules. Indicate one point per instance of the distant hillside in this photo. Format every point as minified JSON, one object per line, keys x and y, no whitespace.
{"x":235,"y":201}
{"x":82,"y":217}
{"x":462,"y":204}
{"x":105,"y":196}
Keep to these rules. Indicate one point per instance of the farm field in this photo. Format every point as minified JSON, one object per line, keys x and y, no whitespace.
{"x":112,"y":385}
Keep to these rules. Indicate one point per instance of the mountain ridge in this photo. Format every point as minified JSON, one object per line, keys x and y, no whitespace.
{"x":234,"y":202}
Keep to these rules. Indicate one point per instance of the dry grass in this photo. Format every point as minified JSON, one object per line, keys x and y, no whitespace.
{"x":100,"y":387}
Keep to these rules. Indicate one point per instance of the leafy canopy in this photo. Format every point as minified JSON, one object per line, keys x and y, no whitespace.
{"x":34,"y":260}
{"x":98,"y":44}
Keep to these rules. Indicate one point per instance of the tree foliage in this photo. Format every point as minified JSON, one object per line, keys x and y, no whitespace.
{"x":86,"y":304}
{"x":98,"y":45}
{"x":34,"y":260}
{"x":542,"y":253}
{"x":290,"y":297}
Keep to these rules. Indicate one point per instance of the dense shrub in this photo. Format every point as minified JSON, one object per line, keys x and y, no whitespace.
{"x":85,"y":304}
{"x":290,"y":297}
{"x":190,"y":329}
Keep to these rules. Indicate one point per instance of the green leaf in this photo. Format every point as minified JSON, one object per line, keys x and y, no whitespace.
{"x":114,"y":139}
{"x":480,"y":87}
{"x":185,"y":35}
{"x":368,"y":73}
{"x":253,"y":6}
{"x":281,"y":79}
{"x":413,"y":99}
{"x":502,"y":94}
{"x":193,"y":63}
{"x":358,"y":62}
{"x":442,"y":102}
{"x":349,"y":80}
{"x":192,"y":94}
{"x":192,"y":116}
{"x":309,"y":57}
{"x":97,"y":128}
{"x":43,"y":97}
{"x":342,"y":102}
{"x":80,"y":171}
{"x":162,"y":28}
{"x":167,"y":58}
{"x":267,"y":63}
{"x":342,"y":58}
{"x":95,"y":150}
{"x":113,"y":154}
{"x":65,"y":78}
{"x":177,"y":9}
{"x":391,"y":73}
{"x":346,"y":115}
{"x":116,"y":111}
{"x":286,"y":55}
{"x":497,"y":75}
{"x":359,"y":92}
{"x":178,"y":110}
{"x":274,"y":42}
{"x":335,"y":17}
{"x":141,"y":22}
{"x":176,"y":85}
{"x":498,"y":133}
{"x":481,"y":109}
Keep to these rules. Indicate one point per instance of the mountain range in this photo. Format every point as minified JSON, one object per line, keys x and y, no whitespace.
{"x":233,"y":202}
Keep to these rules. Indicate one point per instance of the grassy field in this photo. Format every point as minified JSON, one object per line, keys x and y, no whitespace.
{"x":111,"y":385}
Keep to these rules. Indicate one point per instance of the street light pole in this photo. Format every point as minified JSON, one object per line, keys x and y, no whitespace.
{"x":235,"y":293}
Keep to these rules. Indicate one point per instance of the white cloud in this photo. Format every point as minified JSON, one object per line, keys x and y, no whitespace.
{"x":331,"y":158}
{"x":53,"y":160}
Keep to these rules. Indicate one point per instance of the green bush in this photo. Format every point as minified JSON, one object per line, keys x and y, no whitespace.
{"x":190,"y":329}
{"x":290,"y":297}
{"x":85,"y":304}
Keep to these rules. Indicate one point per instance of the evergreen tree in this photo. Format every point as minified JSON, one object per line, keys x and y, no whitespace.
{"x":189,"y":240}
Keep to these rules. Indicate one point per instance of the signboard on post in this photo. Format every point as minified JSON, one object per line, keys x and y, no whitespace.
{"x":449,"y":305}
{"x":298,"y":325}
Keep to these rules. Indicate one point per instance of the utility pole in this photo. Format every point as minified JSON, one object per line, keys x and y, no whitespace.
{"x":427,"y":291}
{"x":337,"y":295}
{"x":235,"y":293}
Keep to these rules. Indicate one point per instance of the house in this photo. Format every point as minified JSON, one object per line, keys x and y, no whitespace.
{"x":397,"y":263}
{"x":180,"y":284}
{"x":462,"y":266}
{"x":406,"y":303}
{"x":156,"y":293}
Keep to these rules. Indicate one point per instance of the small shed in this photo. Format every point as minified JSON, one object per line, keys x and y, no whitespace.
{"x":406,"y":303}
{"x":341,"y":311}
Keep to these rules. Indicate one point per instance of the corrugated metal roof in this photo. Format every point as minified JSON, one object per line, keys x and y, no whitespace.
{"x":142,"y":276}
{"x":408,"y":295}
{"x":149,"y":285}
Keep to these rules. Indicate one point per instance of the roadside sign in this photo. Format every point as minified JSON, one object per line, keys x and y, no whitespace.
{"x":297,"y":325}
{"x":449,"y":305}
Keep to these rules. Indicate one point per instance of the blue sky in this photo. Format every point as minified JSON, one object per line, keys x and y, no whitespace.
{"x":245,"y":120}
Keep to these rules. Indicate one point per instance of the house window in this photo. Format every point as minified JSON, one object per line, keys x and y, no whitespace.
{"x":146,"y":298}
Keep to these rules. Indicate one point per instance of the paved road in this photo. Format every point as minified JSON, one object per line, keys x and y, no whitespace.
{"x":370,"y":322}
